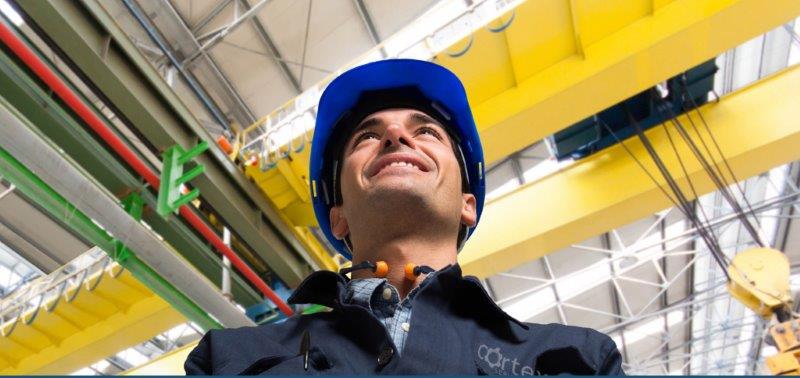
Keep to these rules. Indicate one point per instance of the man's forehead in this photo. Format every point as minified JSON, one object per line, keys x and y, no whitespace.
{"x":383,"y":115}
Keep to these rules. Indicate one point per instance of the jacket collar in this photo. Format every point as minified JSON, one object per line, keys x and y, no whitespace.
{"x":322,"y":287}
{"x":329,"y":289}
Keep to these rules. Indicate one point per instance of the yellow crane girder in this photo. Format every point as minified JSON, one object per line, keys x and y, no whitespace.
{"x":756,"y":127}
{"x":560,"y":61}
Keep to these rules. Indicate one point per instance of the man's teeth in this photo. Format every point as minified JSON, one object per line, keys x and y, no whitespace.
{"x":402,"y":164}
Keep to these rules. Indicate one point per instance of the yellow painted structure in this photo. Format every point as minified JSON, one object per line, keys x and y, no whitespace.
{"x":559,"y":61}
{"x":756,"y":128}
{"x":168,"y":364}
{"x":286,"y":186}
{"x":760,"y":280}
{"x":117,"y":313}
{"x":787,"y":340}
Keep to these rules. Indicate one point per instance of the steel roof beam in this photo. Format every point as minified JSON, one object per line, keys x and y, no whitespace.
{"x":617,"y":308}
{"x":785,"y":224}
{"x":208,"y":17}
{"x":369,"y":24}
{"x":266,"y":40}
{"x":55,"y":123}
{"x":240,"y":109}
{"x":218,"y":37}
{"x":142,"y":97}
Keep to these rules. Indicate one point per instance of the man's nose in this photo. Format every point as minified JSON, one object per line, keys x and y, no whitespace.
{"x":395,"y":136}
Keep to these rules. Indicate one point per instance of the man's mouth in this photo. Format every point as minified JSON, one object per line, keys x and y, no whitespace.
{"x":399,"y":163}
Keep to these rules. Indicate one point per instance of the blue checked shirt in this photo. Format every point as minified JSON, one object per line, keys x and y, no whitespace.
{"x":383,"y":300}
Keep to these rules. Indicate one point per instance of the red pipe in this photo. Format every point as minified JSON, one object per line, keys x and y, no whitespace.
{"x":87,"y":115}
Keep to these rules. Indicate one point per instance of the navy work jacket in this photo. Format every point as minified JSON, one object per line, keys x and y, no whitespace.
{"x":456,"y":328}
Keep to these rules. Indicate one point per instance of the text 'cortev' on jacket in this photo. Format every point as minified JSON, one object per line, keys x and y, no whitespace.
{"x":455,"y":329}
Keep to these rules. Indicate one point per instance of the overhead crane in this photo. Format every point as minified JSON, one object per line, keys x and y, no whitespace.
{"x":522,"y":226}
{"x":536,"y":70}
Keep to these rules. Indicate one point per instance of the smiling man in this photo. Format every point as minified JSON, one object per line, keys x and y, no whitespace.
{"x":397,"y":183}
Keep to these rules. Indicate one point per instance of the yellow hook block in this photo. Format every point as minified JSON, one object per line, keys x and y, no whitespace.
{"x":760,"y":280}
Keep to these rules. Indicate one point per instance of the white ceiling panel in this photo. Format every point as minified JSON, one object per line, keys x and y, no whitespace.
{"x":389,"y":18}
{"x":253,"y":73}
{"x":194,"y":10}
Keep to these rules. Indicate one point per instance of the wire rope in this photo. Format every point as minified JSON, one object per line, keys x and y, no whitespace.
{"x":681,"y":201}
{"x":724,"y":159}
{"x":718,"y":182}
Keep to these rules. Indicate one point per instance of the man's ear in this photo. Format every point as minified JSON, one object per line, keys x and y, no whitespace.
{"x":339,"y":226}
{"x":469,"y":212}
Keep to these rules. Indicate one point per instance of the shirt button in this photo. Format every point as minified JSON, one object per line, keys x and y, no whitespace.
{"x":387,"y":293}
{"x":405,"y":326}
{"x":385,"y":356}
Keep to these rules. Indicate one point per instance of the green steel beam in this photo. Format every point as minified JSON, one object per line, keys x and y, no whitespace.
{"x":20,"y":139}
{"x":51,"y":119}
{"x":93,"y":41}
{"x":59,"y":208}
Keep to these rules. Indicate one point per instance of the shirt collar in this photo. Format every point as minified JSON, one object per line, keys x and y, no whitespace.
{"x":330,"y":289}
{"x":362,"y":291}
{"x":368,"y":292}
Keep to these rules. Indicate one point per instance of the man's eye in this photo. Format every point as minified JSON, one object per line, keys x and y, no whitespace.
{"x":430,"y":131}
{"x":364,"y":136}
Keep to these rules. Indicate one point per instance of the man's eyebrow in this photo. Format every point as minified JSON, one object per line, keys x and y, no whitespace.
{"x":367,"y":123}
{"x":415,"y":118}
{"x":420,"y":118}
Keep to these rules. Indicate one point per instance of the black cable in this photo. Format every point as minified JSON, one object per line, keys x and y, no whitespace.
{"x":741,"y":214}
{"x":685,"y":208}
{"x":639,"y":163}
{"x":706,"y":231}
{"x":683,"y":167}
{"x":721,"y":186}
{"x":684,"y":202}
{"x":716,"y":145}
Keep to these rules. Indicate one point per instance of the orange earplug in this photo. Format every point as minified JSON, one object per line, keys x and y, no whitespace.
{"x":410,"y":272}
{"x":381,"y":269}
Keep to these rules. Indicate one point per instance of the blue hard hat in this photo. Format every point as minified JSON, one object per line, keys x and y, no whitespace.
{"x":386,"y":84}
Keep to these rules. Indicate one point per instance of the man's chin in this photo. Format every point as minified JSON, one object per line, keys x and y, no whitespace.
{"x":399,"y":191}
{"x":400,"y":185}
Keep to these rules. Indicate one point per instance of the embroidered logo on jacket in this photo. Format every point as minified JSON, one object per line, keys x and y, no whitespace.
{"x":502,"y":365}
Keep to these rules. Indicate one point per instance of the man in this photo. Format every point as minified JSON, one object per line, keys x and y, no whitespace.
{"x":397,"y":184}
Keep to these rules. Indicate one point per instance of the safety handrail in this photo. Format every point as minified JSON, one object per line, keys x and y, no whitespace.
{"x":48,"y":291}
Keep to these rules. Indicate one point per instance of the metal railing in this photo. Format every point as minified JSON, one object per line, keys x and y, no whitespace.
{"x":64,"y":284}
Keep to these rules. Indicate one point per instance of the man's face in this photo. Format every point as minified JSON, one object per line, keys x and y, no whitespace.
{"x":401,"y":162}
